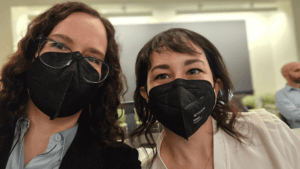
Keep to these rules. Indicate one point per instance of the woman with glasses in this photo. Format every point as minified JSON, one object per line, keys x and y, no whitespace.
{"x":182,"y":82}
{"x":60,"y":92}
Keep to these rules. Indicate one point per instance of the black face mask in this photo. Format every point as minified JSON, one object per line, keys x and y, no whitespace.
{"x":182,"y":106}
{"x":61,"y":92}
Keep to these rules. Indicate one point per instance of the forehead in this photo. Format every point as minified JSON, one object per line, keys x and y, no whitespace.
{"x":83,"y":28}
{"x":168,"y":55}
{"x":295,"y":66}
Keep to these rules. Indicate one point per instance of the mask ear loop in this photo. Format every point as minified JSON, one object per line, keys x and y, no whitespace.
{"x":147,"y":91}
{"x":216,"y":98}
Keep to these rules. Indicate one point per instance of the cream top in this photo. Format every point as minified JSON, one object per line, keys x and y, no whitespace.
{"x":275,"y":146}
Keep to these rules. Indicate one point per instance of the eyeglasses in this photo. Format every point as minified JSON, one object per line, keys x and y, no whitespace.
{"x":57,"y":55}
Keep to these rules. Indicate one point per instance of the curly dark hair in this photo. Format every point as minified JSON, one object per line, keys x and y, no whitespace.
{"x":14,"y":95}
{"x":176,"y":40}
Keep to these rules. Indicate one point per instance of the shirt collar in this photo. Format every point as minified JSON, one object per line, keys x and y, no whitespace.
{"x":159,"y":141}
{"x":289,"y":88}
{"x":22,"y":123}
{"x":68,"y":134}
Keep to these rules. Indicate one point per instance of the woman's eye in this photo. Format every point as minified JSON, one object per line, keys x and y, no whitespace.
{"x":58,"y":46}
{"x":194,"y":71}
{"x":93,"y":60}
{"x":161,"y":76}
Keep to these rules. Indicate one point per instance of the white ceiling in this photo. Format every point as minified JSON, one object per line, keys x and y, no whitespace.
{"x":146,"y":7}
{"x":51,"y":2}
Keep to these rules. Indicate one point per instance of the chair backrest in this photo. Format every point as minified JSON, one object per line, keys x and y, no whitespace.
{"x":268,"y":98}
{"x":249,"y":101}
{"x":128,"y":107}
{"x":121,"y":113}
{"x":136,"y":117}
{"x":239,"y":103}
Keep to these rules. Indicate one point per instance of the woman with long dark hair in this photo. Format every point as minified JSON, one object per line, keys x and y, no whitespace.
{"x":182,"y":82}
{"x":60,"y":92}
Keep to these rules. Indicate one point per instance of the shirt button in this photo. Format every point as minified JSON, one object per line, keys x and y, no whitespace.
{"x":57,"y":137}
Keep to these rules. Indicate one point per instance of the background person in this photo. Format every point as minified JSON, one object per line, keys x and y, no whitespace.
{"x":60,"y":92}
{"x":288,"y":99}
{"x":179,"y":76}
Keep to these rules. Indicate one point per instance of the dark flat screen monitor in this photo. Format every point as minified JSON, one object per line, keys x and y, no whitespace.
{"x":228,"y":36}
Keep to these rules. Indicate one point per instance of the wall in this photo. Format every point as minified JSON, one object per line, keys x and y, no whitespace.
{"x":5,"y":33}
{"x":283,"y":40}
{"x":296,"y":13}
{"x":270,"y":38}
{"x":232,"y":45}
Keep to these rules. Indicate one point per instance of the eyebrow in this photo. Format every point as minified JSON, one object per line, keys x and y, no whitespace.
{"x":188,"y":62}
{"x":96,"y":51}
{"x":164,"y":66}
{"x":69,"y":40}
{"x":64,"y":37}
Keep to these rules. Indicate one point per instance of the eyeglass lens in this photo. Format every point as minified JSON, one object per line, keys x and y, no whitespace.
{"x":57,"y":55}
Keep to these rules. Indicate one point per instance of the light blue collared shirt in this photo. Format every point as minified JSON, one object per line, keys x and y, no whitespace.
{"x":50,"y":159}
{"x":288,"y":103}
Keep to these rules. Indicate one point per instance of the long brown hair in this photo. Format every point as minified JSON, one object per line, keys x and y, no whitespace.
{"x":176,"y":40}
{"x":13,"y":91}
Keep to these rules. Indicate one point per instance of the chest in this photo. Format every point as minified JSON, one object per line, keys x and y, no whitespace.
{"x":33,"y":147}
{"x":195,"y":163}
{"x":76,"y":153}
{"x":294,"y":97}
{"x":36,"y":152}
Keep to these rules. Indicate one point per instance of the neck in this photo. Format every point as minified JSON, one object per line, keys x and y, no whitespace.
{"x":41,"y":123}
{"x":198,"y":147}
{"x":293,"y":84}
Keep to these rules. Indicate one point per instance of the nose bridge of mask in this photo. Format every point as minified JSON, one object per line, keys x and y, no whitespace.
{"x":88,"y":71}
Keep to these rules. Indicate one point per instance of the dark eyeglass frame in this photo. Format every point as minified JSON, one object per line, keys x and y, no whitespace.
{"x":41,"y":39}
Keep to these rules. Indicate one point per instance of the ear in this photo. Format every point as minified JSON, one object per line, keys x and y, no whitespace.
{"x":218,"y":85}
{"x":286,"y":75}
{"x":143,"y":92}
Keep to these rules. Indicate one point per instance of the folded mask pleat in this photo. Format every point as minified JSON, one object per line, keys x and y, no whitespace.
{"x":89,"y":72}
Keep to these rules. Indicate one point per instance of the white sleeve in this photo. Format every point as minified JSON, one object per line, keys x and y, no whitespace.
{"x":289,"y":143}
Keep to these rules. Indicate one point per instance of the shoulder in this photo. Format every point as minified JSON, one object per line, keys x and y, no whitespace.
{"x":272,"y":132}
{"x":280,"y":92}
{"x":124,"y":155}
{"x":262,"y":119}
{"x":267,"y":126}
{"x":261,"y":114}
